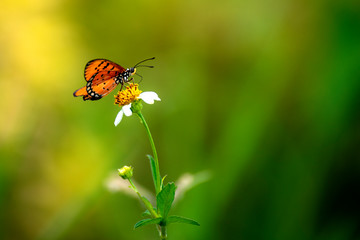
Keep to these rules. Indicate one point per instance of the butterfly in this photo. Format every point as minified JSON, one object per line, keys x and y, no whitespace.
{"x":103,"y":76}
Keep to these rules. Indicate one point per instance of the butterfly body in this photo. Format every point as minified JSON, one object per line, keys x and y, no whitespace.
{"x":103,"y":76}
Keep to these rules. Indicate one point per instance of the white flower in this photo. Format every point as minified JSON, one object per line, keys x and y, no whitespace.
{"x":147,"y":97}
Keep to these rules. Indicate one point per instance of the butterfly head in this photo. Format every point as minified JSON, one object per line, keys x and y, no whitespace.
{"x":132,"y":71}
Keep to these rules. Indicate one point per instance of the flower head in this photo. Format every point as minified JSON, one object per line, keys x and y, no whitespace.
{"x":127,"y":96}
{"x":126,"y":172}
{"x":130,"y":100}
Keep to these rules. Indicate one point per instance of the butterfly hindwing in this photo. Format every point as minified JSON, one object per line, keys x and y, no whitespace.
{"x":104,"y":84}
{"x":98,"y":86}
{"x":101,"y":65}
{"x":80,"y":92}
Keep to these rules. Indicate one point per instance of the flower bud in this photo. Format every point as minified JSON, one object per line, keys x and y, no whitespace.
{"x":125,"y":172}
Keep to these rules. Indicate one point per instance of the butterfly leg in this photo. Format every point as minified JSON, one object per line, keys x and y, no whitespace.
{"x":141,"y":78}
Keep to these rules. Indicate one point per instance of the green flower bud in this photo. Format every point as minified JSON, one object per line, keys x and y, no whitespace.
{"x":125,"y":172}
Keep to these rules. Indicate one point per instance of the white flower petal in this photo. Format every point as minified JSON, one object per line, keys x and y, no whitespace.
{"x":118,"y":118}
{"x":127,"y":110}
{"x":149,"y":97}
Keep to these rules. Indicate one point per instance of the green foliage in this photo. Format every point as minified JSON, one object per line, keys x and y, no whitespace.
{"x":178,"y":219}
{"x":153,"y":171}
{"x":146,"y":202}
{"x":147,"y":213}
{"x":165,"y":199}
{"x":147,"y":221}
{"x":162,"y":182}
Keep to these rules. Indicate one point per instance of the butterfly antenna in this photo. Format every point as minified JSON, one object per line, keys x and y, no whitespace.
{"x":139,"y":76}
{"x":145,"y":66}
{"x":144,"y":61}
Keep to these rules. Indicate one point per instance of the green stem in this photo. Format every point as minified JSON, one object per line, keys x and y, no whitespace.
{"x":157,"y":177}
{"x":163,"y":233}
{"x":157,"y":170}
{"x":146,"y":203}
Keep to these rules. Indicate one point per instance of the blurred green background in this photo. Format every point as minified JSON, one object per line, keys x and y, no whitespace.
{"x":261,"y":95}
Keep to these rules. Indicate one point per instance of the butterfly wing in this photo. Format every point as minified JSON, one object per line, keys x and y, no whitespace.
{"x":101,"y":65}
{"x":98,"y":86}
{"x":103,"y":85}
{"x":80,"y":92}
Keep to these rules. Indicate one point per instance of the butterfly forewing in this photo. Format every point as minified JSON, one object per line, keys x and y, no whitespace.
{"x":101,"y":65}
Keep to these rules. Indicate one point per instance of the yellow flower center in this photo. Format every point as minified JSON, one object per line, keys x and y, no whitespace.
{"x":128,"y":95}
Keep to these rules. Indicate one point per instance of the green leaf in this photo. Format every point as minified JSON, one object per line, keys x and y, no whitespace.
{"x":165,"y":199}
{"x":162,"y":182}
{"x":153,"y":171}
{"x":147,"y":213}
{"x":147,"y":221}
{"x":147,"y":203}
{"x":178,"y":219}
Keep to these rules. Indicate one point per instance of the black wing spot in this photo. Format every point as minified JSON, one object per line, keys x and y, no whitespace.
{"x":106,"y":65}
{"x":112,"y":68}
{"x":101,"y":63}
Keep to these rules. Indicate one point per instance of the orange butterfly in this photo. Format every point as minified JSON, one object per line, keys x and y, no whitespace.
{"x":103,"y":76}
